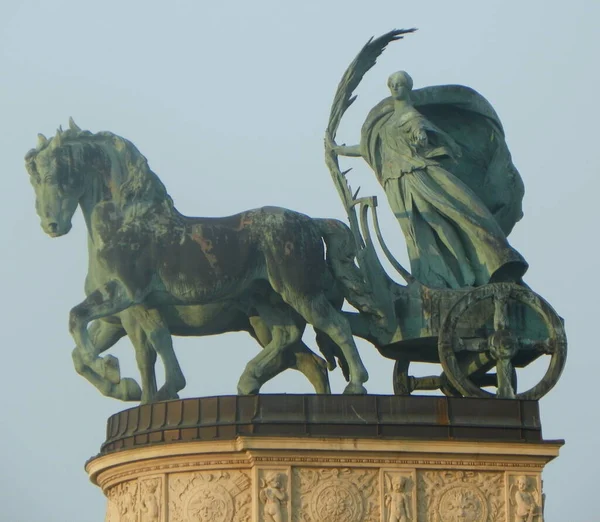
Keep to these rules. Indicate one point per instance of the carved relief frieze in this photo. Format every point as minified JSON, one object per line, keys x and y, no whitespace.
{"x":151,"y":499}
{"x":123,"y":502}
{"x":525,"y":500}
{"x":335,"y":495}
{"x":461,"y":496}
{"x":221,"y":496}
{"x":274,"y":495}
{"x":398,"y":493}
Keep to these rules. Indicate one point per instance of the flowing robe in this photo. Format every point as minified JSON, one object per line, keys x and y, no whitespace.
{"x":452,"y":238}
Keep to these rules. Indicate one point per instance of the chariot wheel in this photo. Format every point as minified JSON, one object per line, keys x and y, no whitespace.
{"x":466,"y":360}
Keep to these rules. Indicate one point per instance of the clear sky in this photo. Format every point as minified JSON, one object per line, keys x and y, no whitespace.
{"x":228,"y":101}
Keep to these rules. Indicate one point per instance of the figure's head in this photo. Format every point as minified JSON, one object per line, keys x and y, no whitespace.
{"x":522,"y":483}
{"x":57,"y":186}
{"x":274,"y":480}
{"x":399,"y":484}
{"x":400,"y":84}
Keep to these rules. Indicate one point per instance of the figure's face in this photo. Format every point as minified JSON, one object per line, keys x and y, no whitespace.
{"x":57,"y":190}
{"x":522,"y":483}
{"x":399,"y":86}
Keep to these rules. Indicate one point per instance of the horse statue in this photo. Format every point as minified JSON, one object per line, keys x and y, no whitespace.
{"x":154,"y":272}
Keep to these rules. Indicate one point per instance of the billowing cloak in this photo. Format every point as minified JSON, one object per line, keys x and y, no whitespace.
{"x":485,"y":165}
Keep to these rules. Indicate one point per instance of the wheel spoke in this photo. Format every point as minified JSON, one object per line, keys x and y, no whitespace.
{"x":471,"y":344}
{"x":516,"y":339}
{"x":504,"y":372}
{"x":545,"y":346}
{"x":500,"y":298}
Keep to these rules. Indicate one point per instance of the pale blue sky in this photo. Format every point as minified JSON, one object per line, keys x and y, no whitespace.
{"x":228,"y":101}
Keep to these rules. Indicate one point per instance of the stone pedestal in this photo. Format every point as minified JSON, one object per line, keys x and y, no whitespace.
{"x":307,"y":458}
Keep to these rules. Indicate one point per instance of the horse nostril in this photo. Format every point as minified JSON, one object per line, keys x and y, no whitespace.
{"x":53,"y":227}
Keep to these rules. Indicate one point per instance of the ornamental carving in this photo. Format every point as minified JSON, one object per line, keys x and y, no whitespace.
{"x":461,"y":496}
{"x":273,"y":494}
{"x":122,"y":502}
{"x":525,"y":503}
{"x":210,"y":497}
{"x":336,"y":495}
{"x":399,"y":501}
{"x":151,"y":500}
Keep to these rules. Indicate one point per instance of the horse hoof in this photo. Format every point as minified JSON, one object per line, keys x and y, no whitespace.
{"x":248,"y":386}
{"x":112,"y":371}
{"x":355,"y":389}
{"x":129,"y":390}
{"x":164,"y":394}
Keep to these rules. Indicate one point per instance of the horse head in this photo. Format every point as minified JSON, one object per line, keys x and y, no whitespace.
{"x":57,"y":184}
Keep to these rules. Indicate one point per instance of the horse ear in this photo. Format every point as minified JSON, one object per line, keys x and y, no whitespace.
{"x":57,"y":140}
{"x":73,"y":126}
{"x":42,"y":142}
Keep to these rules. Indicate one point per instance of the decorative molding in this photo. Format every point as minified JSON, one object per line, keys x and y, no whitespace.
{"x":109,"y":479}
{"x":262,"y":484}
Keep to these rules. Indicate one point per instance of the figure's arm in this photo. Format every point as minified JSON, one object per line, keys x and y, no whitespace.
{"x":343,"y":150}
{"x":407,"y":506}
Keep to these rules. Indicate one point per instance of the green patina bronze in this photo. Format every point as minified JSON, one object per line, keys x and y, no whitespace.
{"x":441,"y":158}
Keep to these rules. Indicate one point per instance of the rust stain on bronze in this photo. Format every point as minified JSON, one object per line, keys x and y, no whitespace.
{"x":207,"y":246}
{"x":245,"y":221}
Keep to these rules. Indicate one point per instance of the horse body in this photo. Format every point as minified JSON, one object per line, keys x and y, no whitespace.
{"x":200,"y":261}
{"x":145,"y":255}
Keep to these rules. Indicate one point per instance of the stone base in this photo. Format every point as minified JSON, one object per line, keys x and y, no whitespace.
{"x":325,"y":459}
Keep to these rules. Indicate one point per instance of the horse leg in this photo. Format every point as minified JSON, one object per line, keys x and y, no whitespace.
{"x":300,"y":357}
{"x":110,"y":299}
{"x":145,"y":355}
{"x":160,"y":339}
{"x":269,"y":362}
{"x":331,"y":352}
{"x":321,"y":314}
{"x":103,"y":336}
{"x":297,"y":356}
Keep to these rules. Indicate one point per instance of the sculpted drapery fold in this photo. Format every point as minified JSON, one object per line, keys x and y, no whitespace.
{"x":453,"y":239}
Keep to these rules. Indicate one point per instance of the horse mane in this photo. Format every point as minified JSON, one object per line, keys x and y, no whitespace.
{"x":140,"y":188}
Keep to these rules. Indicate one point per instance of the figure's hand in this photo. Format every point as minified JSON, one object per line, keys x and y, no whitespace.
{"x":420,"y":137}
{"x":339,"y":149}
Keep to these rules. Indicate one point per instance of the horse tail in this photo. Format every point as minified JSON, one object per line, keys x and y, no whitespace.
{"x":341,"y":253}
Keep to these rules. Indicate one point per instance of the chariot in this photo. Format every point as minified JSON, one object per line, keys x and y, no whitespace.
{"x":479,"y":335}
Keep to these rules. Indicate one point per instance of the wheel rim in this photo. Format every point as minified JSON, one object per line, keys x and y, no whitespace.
{"x":556,"y":343}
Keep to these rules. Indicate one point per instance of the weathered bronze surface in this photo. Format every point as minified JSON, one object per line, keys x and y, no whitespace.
{"x":441,"y":158}
{"x":268,"y":262}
